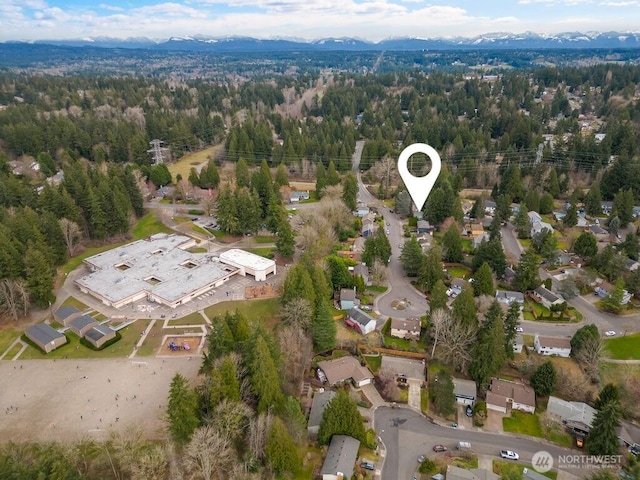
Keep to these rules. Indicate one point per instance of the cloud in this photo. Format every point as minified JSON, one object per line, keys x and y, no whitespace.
{"x":112,"y":8}
{"x":621,"y":4}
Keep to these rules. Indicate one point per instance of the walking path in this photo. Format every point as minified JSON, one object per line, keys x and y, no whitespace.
{"x":143,"y":337}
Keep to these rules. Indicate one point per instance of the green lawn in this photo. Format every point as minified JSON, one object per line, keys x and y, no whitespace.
{"x":377,"y":288}
{"x":153,"y":341}
{"x":525,"y":242}
{"x":192,"y":319}
{"x":424,"y":400}
{"x":262,"y":309}
{"x":467,"y":246}
{"x":200,"y":230}
{"x":74,"y":302}
{"x":13,"y":351}
{"x":522,"y":423}
{"x":458,"y":272}
{"x":400,"y":344}
{"x":7,"y":337}
{"x":624,"y":348}
{"x":374,"y":362}
{"x":265,"y":239}
{"x":73,"y":348}
{"x":508,"y":469}
{"x":266,"y":252}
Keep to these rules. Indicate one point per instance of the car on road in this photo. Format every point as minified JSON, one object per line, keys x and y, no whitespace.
{"x":421,"y":458}
{"x":509,"y":454}
{"x":388,"y":232}
{"x":439,"y":448}
{"x":519,"y":329}
{"x":469,"y":411}
{"x":388,"y":224}
{"x":610,"y":333}
{"x":368,"y":465}
{"x":401,"y":246}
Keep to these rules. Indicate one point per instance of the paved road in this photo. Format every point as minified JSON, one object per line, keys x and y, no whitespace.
{"x":407,"y":434}
{"x":400,"y":289}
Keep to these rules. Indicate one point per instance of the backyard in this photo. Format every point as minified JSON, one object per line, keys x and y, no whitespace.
{"x":626,"y":347}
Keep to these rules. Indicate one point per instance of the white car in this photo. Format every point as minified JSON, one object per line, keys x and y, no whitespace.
{"x":519,"y":329}
{"x":610,"y":333}
{"x":511,"y":455}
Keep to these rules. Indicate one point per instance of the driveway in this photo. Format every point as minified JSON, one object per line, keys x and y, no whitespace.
{"x":408,"y":367}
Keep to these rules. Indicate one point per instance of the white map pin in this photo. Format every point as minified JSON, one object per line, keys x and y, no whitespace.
{"x":419,"y":187}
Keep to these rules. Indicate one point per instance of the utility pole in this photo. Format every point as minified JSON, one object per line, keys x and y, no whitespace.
{"x":156,"y":151}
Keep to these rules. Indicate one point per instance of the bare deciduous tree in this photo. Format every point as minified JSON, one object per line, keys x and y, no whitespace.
{"x":378,"y":272}
{"x":573,"y":384}
{"x":297,"y":350}
{"x":208,"y":454}
{"x":71,"y":233}
{"x":589,"y":356}
{"x":386,"y":170}
{"x":454,"y":339}
{"x":208,"y":202}
{"x":14,"y":297}
{"x":298,"y":313}
{"x":390,"y":389}
{"x":231,"y":419}
{"x":258,"y":430}
{"x":151,"y":464}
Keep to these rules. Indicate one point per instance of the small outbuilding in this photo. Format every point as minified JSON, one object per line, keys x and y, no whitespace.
{"x":65,"y":314}
{"x":99,"y":335}
{"x":45,"y":336}
{"x":82,"y":324}
{"x":360,"y":321}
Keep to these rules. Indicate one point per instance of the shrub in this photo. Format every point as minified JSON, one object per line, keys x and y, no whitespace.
{"x":428,"y":466}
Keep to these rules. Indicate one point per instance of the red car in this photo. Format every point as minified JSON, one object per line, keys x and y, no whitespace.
{"x":439,"y":448}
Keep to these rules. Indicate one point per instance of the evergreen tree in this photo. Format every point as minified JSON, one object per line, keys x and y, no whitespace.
{"x":411,"y":257}
{"x":477,"y":211}
{"x":490,"y":252}
{"x":483,"y":281}
{"x":285,"y":243}
{"x":431,"y":269}
{"x":487,"y":352}
{"x":341,"y":417}
{"x":248,"y":209}
{"x":613,"y":302}
{"x":282,"y":177}
{"x":242,"y":174}
{"x":160,"y":175}
{"x":276,"y":214}
{"x":527,"y":277}
{"x":623,"y":206}
{"x":220,"y":339}
{"x":571,"y":218}
{"x":546,"y":204}
{"x":553,"y":187}
{"x":495,"y":228}
{"x":593,"y":200}
{"x":603,"y":437}
{"x":522,"y":223}
{"x":350,"y":191}
{"x":452,"y":245}
{"x":438,"y":298}
{"x":321,"y":180}
{"x":324,"y":328}
{"x":444,"y":398}
{"x":332,"y":175}
{"x":262,"y":183}
{"x":280,"y":450}
{"x":182,"y":410}
{"x":227,"y":212}
{"x":586,"y":245}
{"x":543,"y":380}
{"x":511,"y":321}
{"x":224,"y":383}
{"x":464,"y":308}
{"x":609,"y":393}
{"x":39,"y":276}
{"x":532,"y":199}
{"x":298,"y":284}
{"x":264,"y":377}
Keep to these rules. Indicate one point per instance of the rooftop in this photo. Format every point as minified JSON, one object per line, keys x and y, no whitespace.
{"x":158,"y":265}
{"x":347,"y":294}
{"x":509,"y":296}
{"x":464,"y":388}
{"x":344,"y":368}
{"x":359,"y":316}
{"x":99,"y":331}
{"x":518,"y":392}
{"x":341,"y":456}
{"x":43,"y":333}
{"x":246,"y":259}
{"x":412,"y":324}
{"x":320,"y":401}
{"x":547,"y":294}
{"x":82,"y":321}
{"x":554,"y":342}
{"x":571,"y":411}
{"x":66,"y":312}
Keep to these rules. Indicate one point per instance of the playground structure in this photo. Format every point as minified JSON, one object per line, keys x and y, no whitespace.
{"x":175,"y":346}
{"x":181,"y":345}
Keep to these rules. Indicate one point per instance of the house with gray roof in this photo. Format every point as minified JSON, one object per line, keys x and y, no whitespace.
{"x":65,"y":314}
{"x":45,"y":336}
{"x":407,"y":328}
{"x":347,"y":298}
{"x":508,"y":297}
{"x":518,"y":344}
{"x":360,"y":321}
{"x":82,"y":324}
{"x":547,"y":297}
{"x":340,"y":370}
{"x":320,"y":401}
{"x":556,"y":346}
{"x":341,"y":458}
{"x":465,"y":391}
{"x":457,"y":473}
{"x":99,"y":335}
{"x":362,"y":270}
{"x":573,"y":414}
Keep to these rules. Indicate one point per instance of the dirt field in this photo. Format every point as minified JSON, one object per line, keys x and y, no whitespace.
{"x":71,"y":399}
{"x":265,"y":291}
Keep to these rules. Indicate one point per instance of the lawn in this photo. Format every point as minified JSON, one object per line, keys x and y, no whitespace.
{"x":153,"y":341}
{"x":624,"y":348}
{"x":377,"y":288}
{"x":73,"y":348}
{"x":424,"y":400}
{"x":192,"y":319}
{"x":525,"y":242}
{"x":263,"y":309}
{"x":266,"y":252}
{"x":147,"y":225}
{"x":458,"y":271}
{"x":74,"y":302}
{"x":514,"y":470}
{"x":7,"y":337}
{"x":191,"y":160}
{"x":467,"y":246}
{"x":265,"y":239}
{"x":522,"y":423}
{"x":374,"y":362}
{"x":13,"y":351}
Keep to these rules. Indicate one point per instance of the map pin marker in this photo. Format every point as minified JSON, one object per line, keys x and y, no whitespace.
{"x":419,"y":187}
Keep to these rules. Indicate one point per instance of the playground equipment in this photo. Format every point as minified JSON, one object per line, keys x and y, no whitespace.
{"x":175,"y":346}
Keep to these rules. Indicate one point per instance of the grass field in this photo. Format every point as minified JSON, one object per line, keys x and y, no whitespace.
{"x":266,"y":252}
{"x":624,"y":348}
{"x":74,"y":302}
{"x":508,"y":469}
{"x":153,"y":341}
{"x":265,"y":239}
{"x":192,"y":319}
{"x":374,"y":362}
{"x":191,"y":160}
{"x":263,"y":310}
{"x":522,"y":423}
{"x":73,"y":349}
{"x":13,"y":351}
{"x":7,"y":337}
{"x":458,"y":272}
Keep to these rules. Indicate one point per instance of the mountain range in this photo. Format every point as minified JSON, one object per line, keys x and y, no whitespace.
{"x":200,"y":43}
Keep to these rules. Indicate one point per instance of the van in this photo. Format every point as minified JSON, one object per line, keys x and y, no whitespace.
{"x":463,"y":446}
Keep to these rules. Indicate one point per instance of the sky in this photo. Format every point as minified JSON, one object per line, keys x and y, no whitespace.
{"x":372,"y":20}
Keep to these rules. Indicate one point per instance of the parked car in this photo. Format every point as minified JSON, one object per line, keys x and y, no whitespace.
{"x":368,"y":465}
{"x":610,"y":333}
{"x":421,"y":458}
{"x":439,"y":448}
{"x":509,"y":454}
{"x":469,"y":411}
{"x":519,"y":329}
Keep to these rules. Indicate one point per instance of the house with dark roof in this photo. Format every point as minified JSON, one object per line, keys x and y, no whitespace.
{"x":340,"y":370}
{"x":320,"y":401}
{"x":557,"y":346}
{"x":341,"y":458}
{"x":65,"y":314}
{"x":575,"y":415}
{"x":465,"y":391}
{"x":508,"y":297}
{"x":408,"y":328}
{"x":99,"y":335}
{"x":504,"y":393}
{"x":45,"y":336}
{"x":362,"y":270}
{"x":423,"y":226}
{"x":82,"y":324}
{"x":457,"y":473}
{"x":296,"y":197}
{"x":368,"y":228}
{"x":347,"y":298}
{"x":360,"y":321}
{"x":547,"y":297}
{"x":600,"y":233}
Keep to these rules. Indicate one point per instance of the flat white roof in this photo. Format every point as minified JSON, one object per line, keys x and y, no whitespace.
{"x":246,"y":259}
{"x":157,"y":265}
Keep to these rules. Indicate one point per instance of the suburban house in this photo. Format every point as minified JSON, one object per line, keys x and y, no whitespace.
{"x":341,"y":458}
{"x":518,"y":344}
{"x":508,"y":297}
{"x":65,"y":314}
{"x":457,"y":285}
{"x":489,"y":207}
{"x":575,"y":415}
{"x":368,"y":228}
{"x":534,"y":217}
{"x":347,"y":298}
{"x":82,"y":324}
{"x":320,"y":401}
{"x":45,"y":336}
{"x":465,"y":391}
{"x":604,"y":288}
{"x":537,"y":227}
{"x":474,"y":229}
{"x":631,"y":264}
{"x":408,"y":328}
{"x":509,"y":275}
{"x":99,"y":335}
{"x":341,"y":369}
{"x":479,"y":240}
{"x":360,"y":321}
{"x":606,"y":207}
{"x":424,"y":227}
{"x":362,"y":270}
{"x":297,"y":197}
{"x":503,"y":393}
{"x":362,"y":212}
{"x":560,"y":347}
{"x":457,"y":473}
{"x":600,"y":233}
{"x":547,"y":297}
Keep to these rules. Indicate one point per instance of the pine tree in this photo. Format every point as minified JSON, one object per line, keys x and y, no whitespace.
{"x":511,"y":321}
{"x":285,"y":243}
{"x":332,"y":175}
{"x":543,"y":380}
{"x":181,"y":410}
{"x":298,"y":284}
{"x":431,"y":270}
{"x":438,"y":298}
{"x":571,"y":218}
{"x":40,"y":278}
{"x":242,"y":174}
{"x":483,"y":281}
{"x":464,"y":308}
{"x":350,"y":191}
{"x":411,"y":257}
{"x":488,"y":353}
{"x":452,"y":245}
{"x":444,"y":398}
{"x":324,"y":328}
{"x":264,"y":377}
{"x":522,"y":223}
{"x":527,"y":276}
{"x":341,"y":417}
{"x":282,"y":177}
{"x":280,"y":450}
{"x":609,"y":393}
{"x":593,"y":200}
{"x":321,"y":179}
{"x":603,"y":438}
